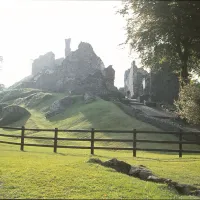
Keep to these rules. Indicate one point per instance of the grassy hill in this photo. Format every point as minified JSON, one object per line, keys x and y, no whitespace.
{"x":38,"y":173}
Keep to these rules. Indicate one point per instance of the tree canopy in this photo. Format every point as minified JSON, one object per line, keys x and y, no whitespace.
{"x":188,"y":104}
{"x":165,"y":31}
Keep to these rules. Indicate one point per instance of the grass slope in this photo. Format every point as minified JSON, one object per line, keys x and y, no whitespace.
{"x":99,"y":115}
{"x":38,"y":173}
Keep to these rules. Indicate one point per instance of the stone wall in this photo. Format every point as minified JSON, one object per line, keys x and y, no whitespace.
{"x":46,"y":61}
{"x":161,"y":84}
{"x":94,"y":83}
{"x":133,"y":79}
{"x":82,"y":62}
{"x":79,"y":72}
{"x":58,"y":62}
{"x":163,"y":124}
{"x":109,"y":76}
{"x":67,"y":47}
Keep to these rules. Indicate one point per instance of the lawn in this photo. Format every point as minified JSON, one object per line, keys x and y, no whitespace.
{"x":39,"y":173}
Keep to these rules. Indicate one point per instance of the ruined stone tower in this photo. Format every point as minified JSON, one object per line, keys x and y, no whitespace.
{"x":67,"y":47}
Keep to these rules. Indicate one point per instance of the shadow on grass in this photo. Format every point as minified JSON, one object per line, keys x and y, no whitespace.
{"x":169,"y":159}
{"x":88,"y":155}
{"x":100,"y":115}
{"x":105,"y":115}
{"x":19,"y":123}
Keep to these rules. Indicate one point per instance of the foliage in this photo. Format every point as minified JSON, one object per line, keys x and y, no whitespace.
{"x":188,"y":104}
{"x":165,"y":84}
{"x":165,"y":31}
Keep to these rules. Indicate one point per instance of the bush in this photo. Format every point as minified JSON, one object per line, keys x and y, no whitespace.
{"x":188,"y":104}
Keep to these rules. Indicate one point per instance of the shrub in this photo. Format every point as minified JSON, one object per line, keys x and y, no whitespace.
{"x":188,"y":104}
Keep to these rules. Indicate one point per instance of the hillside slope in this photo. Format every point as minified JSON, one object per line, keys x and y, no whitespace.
{"x":38,"y":173}
{"x":99,"y":114}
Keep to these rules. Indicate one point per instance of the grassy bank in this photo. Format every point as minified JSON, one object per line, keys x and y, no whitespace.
{"x":38,"y":173}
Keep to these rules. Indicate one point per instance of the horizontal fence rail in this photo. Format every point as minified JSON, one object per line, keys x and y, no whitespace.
{"x":92,"y":140}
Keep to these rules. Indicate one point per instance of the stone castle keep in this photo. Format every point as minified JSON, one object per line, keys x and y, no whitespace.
{"x":161,"y":85}
{"x":79,"y":72}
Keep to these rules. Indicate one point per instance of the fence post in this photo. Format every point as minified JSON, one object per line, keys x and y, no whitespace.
{"x":134,"y":142}
{"x":55,"y":140}
{"x":180,"y":143}
{"x":92,"y":141}
{"x":22,"y":138}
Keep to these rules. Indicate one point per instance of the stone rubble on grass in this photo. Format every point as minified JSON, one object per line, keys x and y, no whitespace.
{"x":89,"y":97}
{"x":12,"y":113}
{"x":145,"y":174}
{"x":59,"y":106}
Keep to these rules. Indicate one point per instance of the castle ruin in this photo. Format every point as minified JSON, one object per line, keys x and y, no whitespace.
{"x":80,"y":71}
{"x":161,"y":85}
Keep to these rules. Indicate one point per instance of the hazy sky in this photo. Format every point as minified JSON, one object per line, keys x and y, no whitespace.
{"x":31,"y":28}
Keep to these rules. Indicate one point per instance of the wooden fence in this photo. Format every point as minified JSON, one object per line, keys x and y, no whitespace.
{"x":92,"y":140}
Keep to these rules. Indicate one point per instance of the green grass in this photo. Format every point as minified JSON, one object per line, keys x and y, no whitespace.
{"x":39,"y":173}
{"x":99,"y":115}
{"x":10,"y":95}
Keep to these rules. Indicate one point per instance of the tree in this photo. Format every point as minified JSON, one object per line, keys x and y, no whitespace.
{"x":188,"y":104}
{"x":165,"y":31}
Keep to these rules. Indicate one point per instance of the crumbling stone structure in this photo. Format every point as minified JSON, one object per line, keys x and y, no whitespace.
{"x":79,"y":72}
{"x":161,"y":84}
{"x":109,"y":74}
{"x":67,"y":47}
{"x":133,"y":81}
{"x":46,"y":61}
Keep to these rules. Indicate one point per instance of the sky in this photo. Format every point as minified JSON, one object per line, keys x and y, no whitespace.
{"x":30,"y":28}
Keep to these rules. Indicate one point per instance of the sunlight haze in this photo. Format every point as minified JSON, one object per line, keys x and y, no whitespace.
{"x":32,"y":28}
